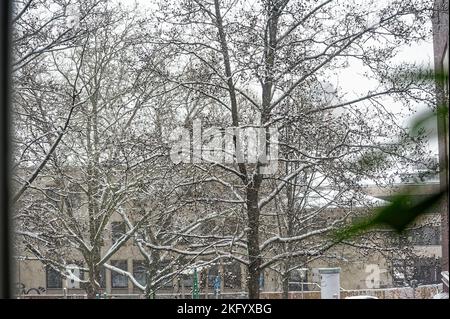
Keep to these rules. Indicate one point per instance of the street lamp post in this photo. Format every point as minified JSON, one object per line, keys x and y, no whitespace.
{"x":195,"y":290}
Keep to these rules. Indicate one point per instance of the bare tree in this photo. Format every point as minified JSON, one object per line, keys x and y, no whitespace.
{"x":39,"y":29}
{"x":98,"y":97}
{"x":106,"y":156}
{"x":254,"y":59}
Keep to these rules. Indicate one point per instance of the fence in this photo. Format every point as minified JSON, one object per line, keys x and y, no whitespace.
{"x":421,"y":292}
{"x":225,"y":295}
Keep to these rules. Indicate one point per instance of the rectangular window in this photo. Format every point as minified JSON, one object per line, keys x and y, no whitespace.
{"x":73,"y":200}
{"x":427,"y":270}
{"x":139,"y":270}
{"x":164,"y":269}
{"x":232,"y":275}
{"x":425,"y":236}
{"x":54,"y":278}
{"x":297,"y":278}
{"x":119,"y":280}
{"x":188,"y":280}
{"x":118,"y":229}
{"x":138,"y":236}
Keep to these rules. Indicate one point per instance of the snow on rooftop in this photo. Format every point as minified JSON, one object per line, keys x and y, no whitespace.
{"x":333,"y":198}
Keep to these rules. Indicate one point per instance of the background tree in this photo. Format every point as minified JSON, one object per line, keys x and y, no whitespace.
{"x":41,"y":27}
{"x":106,"y":155}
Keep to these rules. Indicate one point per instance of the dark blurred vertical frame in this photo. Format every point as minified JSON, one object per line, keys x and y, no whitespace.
{"x":5,"y":221}
{"x":440,"y":44}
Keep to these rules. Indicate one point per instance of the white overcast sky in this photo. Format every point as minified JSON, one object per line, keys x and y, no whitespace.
{"x":351,"y":81}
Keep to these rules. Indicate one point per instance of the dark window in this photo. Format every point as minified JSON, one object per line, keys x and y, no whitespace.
{"x":427,"y":270}
{"x":138,"y":236}
{"x":296,"y":279}
{"x":188,"y":280}
{"x":119,"y":280}
{"x":164,"y":269}
{"x":232,"y":275}
{"x":54,"y":278}
{"x":402,"y":271}
{"x":74,"y":197}
{"x":118,"y":229}
{"x":139,"y":271}
{"x":426,"y":235}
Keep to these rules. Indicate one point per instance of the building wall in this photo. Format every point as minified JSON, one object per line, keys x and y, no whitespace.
{"x":357,"y":269}
{"x":354,"y":266}
{"x":440,"y":36}
{"x":357,"y":272}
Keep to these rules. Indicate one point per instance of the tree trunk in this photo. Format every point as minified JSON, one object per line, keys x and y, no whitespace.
{"x":150,"y":274}
{"x":285,"y":286}
{"x":92,"y":290}
{"x":254,"y":255}
{"x":93,"y":287}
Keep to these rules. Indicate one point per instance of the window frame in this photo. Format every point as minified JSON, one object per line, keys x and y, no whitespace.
{"x":49,"y":269}
{"x":139,"y":263}
{"x":114,"y":274}
{"x":116,"y":233}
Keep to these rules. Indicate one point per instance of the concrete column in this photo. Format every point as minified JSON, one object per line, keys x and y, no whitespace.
{"x":130,"y":269}
{"x":108,"y":281}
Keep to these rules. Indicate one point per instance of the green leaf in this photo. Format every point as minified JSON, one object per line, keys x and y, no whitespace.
{"x":423,"y":75}
{"x":400,"y":213}
{"x":439,"y":77}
